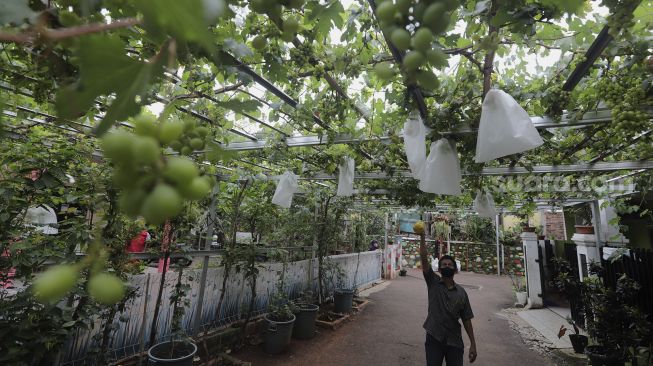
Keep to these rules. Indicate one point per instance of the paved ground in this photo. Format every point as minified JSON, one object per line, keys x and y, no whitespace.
{"x":389,"y":330}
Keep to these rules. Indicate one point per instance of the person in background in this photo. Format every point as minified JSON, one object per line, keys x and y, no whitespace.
{"x":374,"y":245}
{"x":137,"y":244}
{"x":448,"y":302}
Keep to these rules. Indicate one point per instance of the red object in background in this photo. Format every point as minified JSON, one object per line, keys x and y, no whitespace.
{"x":160,"y":266}
{"x":137,"y":244}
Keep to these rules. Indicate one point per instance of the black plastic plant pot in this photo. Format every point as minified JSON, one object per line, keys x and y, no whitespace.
{"x":579,"y":342}
{"x":277,"y":335}
{"x":173,"y":353}
{"x":599,"y":356}
{"x":402,"y":272}
{"x":343,"y":300}
{"x":305,"y":324}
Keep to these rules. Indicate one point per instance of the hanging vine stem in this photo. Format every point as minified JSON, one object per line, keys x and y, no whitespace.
{"x":40,"y":33}
{"x":488,"y":64}
{"x":322,"y":250}
{"x":230,"y":252}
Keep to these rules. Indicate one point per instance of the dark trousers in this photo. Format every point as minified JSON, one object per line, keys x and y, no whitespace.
{"x":436,"y":352}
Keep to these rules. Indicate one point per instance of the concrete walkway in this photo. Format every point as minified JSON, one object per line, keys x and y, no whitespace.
{"x":389,"y":330}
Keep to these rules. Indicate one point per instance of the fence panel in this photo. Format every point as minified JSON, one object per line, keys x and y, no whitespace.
{"x":637,"y":264}
{"x":127,"y":326}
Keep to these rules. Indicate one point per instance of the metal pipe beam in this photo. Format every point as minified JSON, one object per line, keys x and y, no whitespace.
{"x":590,"y":118}
{"x":501,"y":171}
{"x":596,"y":49}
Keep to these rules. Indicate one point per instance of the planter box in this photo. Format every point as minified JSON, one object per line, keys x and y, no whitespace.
{"x":360,"y":304}
{"x":331,"y":320}
{"x":581,"y":229}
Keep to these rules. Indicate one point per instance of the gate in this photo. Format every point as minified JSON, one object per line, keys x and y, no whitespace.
{"x":571,"y":254}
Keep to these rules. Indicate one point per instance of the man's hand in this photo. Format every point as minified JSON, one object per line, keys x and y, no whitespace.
{"x":472,"y":353}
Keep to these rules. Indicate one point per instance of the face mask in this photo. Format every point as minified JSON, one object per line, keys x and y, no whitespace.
{"x":447,"y":272}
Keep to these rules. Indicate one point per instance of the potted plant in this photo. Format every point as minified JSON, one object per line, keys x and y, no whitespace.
{"x":583,"y":220}
{"x":402,"y":272}
{"x":305,"y":314}
{"x":519,"y":287}
{"x":343,"y":297}
{"x":578,"y":341}
{"x":613,"y":321}
{"x":280,"y":318}
{"x":180,"y":350}
{"x":539,"y":230}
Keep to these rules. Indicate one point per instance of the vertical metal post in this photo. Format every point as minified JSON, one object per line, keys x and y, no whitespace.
{"x":385,"y":231}
{"x":205,"y":265}
{"x":596,"y":220}
{"x":496,"y":224}
{"x":316,"y":215}
{"x":141,"y":334}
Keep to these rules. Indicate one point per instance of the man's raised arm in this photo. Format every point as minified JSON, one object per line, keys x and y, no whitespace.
{"x":418,"y":228}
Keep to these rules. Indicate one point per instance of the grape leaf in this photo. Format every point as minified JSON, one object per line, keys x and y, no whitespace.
{"x":240,"y":106}
{"x":183,"y":20}
{"x":15,"y":12}
{"x":328,"y":15}
{"x":106,"y":69}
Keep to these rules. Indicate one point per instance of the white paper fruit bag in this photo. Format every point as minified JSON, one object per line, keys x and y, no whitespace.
{"x":505,"y":128}
{"x":484,"y":205}
{"x":285,"y":190}
{"x":415,"y":143}
{"x":441,"y":173}
{"x":346,"y":177}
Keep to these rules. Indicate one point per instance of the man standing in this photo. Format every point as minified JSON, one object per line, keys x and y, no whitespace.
{"x":448,"y":302}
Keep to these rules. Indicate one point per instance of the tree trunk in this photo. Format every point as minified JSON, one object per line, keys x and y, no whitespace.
{"x":488,"y":64}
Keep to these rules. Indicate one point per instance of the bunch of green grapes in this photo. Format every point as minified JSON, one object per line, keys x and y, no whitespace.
{"x":289,"y":25}
{"x":626,"y":98}
{"x":555,"y":101}
{"x":152,"y":185}
{"x":106,"y":288}
{"x":621,"y":15}
{"x":428,"y":19}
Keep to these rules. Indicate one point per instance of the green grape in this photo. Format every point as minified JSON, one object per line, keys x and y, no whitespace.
{"x":413,"y":60}
{"x":180,"y":170}
{"x":202,"y":131}
{"x":123,"y":177}
{"x":436,"y":18}
{"x":197,"y":143}
{"x":186,"y":150}
{"x":170,"y":131}
{"x":403,"y":6}
{"x":401,"y":39}
{"x":176,"y":145}
{"x":147,"y":150}
{"x":189,"y":125}
{"x":422,"y":40}
{"x":384,"y":71}
{"x":106,"y":288}
{"x":386,"y":12}
{"x":290,"y":25}
{"x":427,"y":80}
{"x":259,"y":42}
{"x":130,"y":201}
{"x":145,"y":125}
{"x":52,"y":285}
{"x":161,"y":204}
{"x":419,"y":9}
{"x":437,"y":58}
{"x":118,"y":147}
{"x":198,"y":188}
{"x":274,"y":10}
